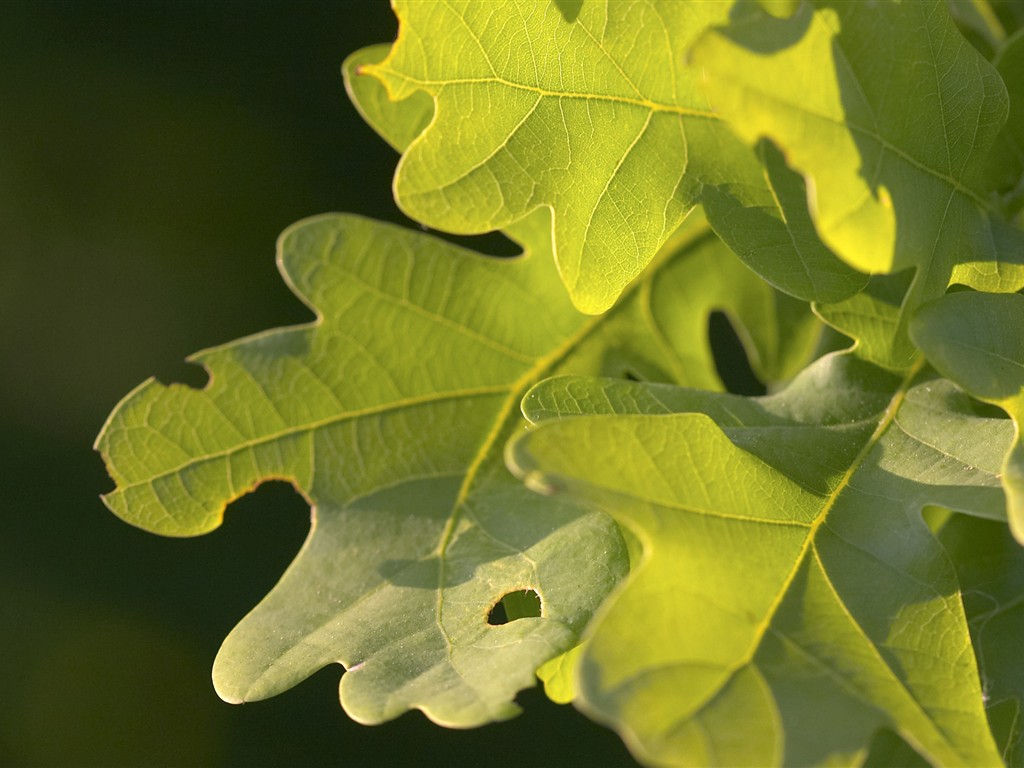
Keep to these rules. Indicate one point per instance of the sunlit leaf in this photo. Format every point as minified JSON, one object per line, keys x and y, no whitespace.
{"x":890,"y":114}
{"x":670,"y":317}
{"x":795,"y":579}
{"x":413,"y":538}
{"x":540,"y":107}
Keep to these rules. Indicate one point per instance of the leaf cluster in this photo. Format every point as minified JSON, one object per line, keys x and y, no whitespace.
{"x":531,"y":466}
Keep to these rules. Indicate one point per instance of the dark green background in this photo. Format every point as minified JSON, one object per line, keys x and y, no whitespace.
{"x":150,"y":152}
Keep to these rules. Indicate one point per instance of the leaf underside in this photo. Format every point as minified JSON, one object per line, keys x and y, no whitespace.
{"x":389,"y":414}
{"x":977,"y":340}
{"x":796,"y":586}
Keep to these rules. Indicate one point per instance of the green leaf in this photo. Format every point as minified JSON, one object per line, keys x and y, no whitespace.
{"x":1006,"y":163}
{"x":890,"y":114}
{"x":872,"y":318}
{"x":778,"y":580}
{"x":542,"y":113}
{"x":417,"y":531}
{"x":555,"y":110}
{"x":789,"y":581}
{"x":559,"y":676}
{"x":976,"y":340}
{"x":397,"y":122}
{"x":990,"y":568}
{"x":764,"y":219}
{"x":388,"y":414}
{"x":667,"y":321}
{"x":979,"y":24}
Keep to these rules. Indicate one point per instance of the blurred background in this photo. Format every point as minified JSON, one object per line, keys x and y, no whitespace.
{"x":150,"y":153}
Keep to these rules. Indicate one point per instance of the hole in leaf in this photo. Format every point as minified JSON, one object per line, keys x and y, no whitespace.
{"x":521,"y":604}
{"x":731,"y":360}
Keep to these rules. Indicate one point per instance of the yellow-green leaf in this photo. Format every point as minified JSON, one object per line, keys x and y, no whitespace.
{"x":789,"y":582}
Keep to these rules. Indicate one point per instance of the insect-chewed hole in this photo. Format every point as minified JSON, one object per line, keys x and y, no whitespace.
{"x":521,"y":604}
{"x":731,"y":358}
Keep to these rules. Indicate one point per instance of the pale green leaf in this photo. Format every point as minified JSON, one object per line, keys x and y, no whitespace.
{"x":890,"y":114}
{"x":388,"y":414}
{"x":778,"y":333}
{"x":559,"y":676}
{"x":789,"y":581}
{"x":540,"y":107}
{"x":416,"y":529}
{"x":535,"y":110}
{"x":977,"y":339}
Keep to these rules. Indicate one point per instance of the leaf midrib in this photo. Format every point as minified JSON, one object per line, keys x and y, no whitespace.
{"x":312,"y":426}
{"x":887,"y":419}
{"x":518,"y":390}
{"x":432,"y":86}
{"x":517,"y":387}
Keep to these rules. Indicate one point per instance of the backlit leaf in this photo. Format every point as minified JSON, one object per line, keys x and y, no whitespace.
{"x":778,"y":332}
{"x":539,"y":107}
{"x":890,"y":114}
{"x":819,"y":576}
